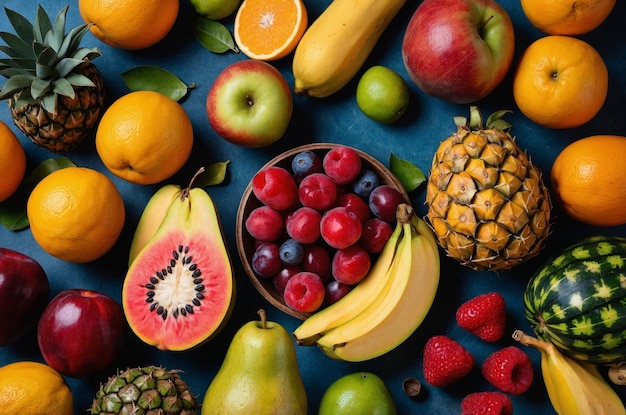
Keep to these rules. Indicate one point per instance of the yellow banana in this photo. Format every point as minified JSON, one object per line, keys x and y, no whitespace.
{"x":152,"y":217}
{"x":335,"y":46}
{"x":399,"y":309}
{"x":574,"y":388}
{"x":355,"y":301}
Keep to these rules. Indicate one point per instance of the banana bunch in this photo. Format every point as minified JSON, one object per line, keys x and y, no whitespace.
{"x":388,"y":305}
{"x":335,"y":46}
{"x":574,"y":388}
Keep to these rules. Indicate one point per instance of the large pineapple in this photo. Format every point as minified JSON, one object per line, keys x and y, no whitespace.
{"x":487,"y":202}
{"x":55,"y":92}
{"x":148,"y":390}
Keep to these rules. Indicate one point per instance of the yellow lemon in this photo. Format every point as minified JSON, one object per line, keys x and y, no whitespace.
{"x":31,"y":388}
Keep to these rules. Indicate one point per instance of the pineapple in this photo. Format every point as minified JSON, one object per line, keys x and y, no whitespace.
{"x":148,"y":390}
{"x":55,"y":92}
{"x":487,"y":202}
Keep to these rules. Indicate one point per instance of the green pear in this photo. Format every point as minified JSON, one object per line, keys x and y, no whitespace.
{"x":259,"y":375}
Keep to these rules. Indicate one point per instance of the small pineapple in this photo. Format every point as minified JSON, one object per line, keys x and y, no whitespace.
{"x":148,"y":390}
{"x":55,"y":92}
{"x":487,"y":202}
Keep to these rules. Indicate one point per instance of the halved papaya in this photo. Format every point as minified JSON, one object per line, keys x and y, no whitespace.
{"x":180,"y":291}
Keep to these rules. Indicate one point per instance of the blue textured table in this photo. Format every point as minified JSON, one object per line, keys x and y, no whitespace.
{"x":335,"y":119}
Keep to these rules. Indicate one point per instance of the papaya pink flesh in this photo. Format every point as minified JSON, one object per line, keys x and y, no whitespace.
{"x":198,"y":231}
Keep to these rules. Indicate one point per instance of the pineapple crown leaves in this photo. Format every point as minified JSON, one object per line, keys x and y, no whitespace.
{"x":42,"y":59}
{"x":475,"y":120}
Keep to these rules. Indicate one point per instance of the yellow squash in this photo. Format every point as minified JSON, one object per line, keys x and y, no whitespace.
{"x":338,"y":42}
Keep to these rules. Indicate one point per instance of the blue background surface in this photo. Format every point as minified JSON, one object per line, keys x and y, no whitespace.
{"x":335,"y":119}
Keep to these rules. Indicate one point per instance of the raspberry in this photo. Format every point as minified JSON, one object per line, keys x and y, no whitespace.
{"x":486,"y":403}
{"x":445,"y":361}
{"x":509,"y":370}
{"x":484,"y":316}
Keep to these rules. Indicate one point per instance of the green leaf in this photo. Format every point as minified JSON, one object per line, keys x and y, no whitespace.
{"x":213,"y":175}
{"x":14,"y":84}
{"x":409,"y":174}
{"x":153,"y":78}
{"x":63,"y":87}
{"x":13,"y":210}
{"x":213,"y":35}
{"x":42,"y":24}
{"x":78,"y":79}
{"x":67,"y":65}
{"x":22,"y":26}
{"x":40,"y":87}
{"x":72,"y":40}
{"x":16,"y":47}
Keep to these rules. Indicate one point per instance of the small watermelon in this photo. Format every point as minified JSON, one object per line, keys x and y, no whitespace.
{"x":577,"y":300}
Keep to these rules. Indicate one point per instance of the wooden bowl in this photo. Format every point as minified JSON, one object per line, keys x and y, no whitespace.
{"x":245,"y":243}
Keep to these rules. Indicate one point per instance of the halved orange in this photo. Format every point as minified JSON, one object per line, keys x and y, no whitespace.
{"x":269,"y":29}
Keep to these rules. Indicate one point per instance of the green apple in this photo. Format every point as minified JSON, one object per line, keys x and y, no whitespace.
{"x":216,"y":9}
{"x":356,"y":394}
{"x":250,"y":104}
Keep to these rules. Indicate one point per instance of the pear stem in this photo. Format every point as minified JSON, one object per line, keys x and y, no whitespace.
{"x":261,"y":314}
{"x":185,"y":193}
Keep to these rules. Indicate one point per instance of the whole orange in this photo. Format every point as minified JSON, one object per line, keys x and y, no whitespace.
{"x":144,"y":137}
{"x":12,"y":162}
{"x":567,"y":17}
{"x":76,"y":214}
{"x":588,"y":180}
{"x":129,"y":24}
{"x":560,"y":82}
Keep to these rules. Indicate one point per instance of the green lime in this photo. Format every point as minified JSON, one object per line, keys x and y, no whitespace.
{"x":216,"y":9}
{"x":382,"y":94}
{"x":357,"y":394}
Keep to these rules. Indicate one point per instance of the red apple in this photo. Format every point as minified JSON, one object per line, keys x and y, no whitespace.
{"x":24,"y":293}
{"x":250,"y":104}
{"x":81,"y":332}
{"x":458,"y":50}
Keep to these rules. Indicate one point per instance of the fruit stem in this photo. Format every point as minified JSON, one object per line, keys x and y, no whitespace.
{"x":485,"y":23}
{"x":617,"y":373}
{"x":261,"y":314}
{"x":527,"y":340}
{"x":185,"y":193}
{"x":475,"y":121}
{"x":404,"y":212}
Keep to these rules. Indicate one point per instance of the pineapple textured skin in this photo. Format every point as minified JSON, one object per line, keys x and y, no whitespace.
{"x":75,"y":117}
{"x":148,"y":390}
{"x":487,"y":202}
{"x":54,"y":91}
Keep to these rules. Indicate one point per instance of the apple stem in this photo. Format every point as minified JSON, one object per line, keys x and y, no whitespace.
{"x":261,"y":314}
{"x":485,"y":23}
